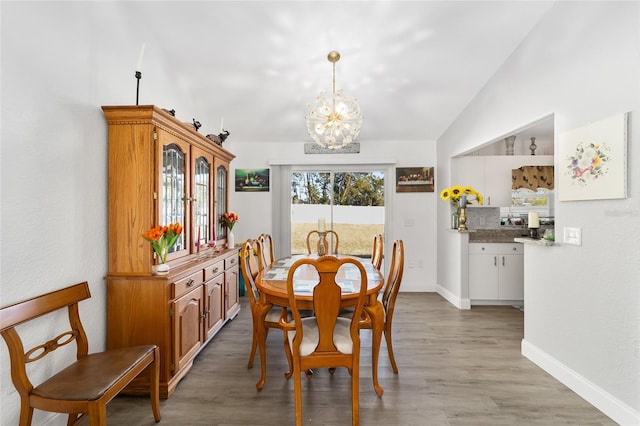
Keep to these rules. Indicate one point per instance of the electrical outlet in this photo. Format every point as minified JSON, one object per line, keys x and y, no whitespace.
{"x":573,"y":236}
{"x":412,"y":264}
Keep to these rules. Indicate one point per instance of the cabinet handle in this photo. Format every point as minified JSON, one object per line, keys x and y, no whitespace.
{"x":495,"y":260}
{"x":502,"y":260}
{"x":190,"y":282}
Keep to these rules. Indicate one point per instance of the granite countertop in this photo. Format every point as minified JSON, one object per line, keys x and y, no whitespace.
{"x":497,"y":235}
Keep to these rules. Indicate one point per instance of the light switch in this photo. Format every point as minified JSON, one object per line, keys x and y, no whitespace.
{"x":573,"y":236}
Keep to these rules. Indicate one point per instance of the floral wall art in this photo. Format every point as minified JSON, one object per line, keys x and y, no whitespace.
{"x":593,"y":160}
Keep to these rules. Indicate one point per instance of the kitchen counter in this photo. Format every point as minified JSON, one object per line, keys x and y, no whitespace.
{"x":497,"y":235}
{"x":534,"y":241}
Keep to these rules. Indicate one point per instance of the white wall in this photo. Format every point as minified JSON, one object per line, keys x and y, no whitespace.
{"x":582,"y":303}
{"x":60,"y":63}
{"x":413,"y":214}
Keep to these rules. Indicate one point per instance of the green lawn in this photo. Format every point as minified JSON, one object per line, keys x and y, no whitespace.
{"x":354,"y":239}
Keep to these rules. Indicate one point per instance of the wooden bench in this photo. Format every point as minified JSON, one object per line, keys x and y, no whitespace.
{"x":86,"y":386}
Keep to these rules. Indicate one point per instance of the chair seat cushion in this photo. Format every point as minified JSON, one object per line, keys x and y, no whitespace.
{"x":90,"y":377}
{"x":341,"y":336}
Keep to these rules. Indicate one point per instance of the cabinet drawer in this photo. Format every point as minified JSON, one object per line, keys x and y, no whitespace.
{"x":186,"y":284}
{"x":230,"y":262}
{"x":213,"y":270}
{"x":496,"y":248}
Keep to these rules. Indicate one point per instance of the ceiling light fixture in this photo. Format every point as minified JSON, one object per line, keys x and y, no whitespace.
{"x":334,"y":123}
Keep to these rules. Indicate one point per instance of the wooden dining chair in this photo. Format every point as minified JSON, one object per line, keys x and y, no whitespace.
{"x":250,"y":268}
{"x":325,"y":339}
{"x":378,"y":251}
{"x":266,"y":254}
{"x":391,"y":287}
{"x":331,"y":243}
{"x":82,"y":389}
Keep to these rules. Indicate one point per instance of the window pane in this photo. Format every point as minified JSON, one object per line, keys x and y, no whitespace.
{"x":352,"y":204}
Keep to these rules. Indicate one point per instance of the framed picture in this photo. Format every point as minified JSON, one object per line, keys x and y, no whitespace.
{"x":593,"y":160}
{"x":414,"y":179}
{"x":254,"y":180}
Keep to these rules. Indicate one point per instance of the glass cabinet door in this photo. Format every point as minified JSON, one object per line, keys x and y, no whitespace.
{"x":202,"y":198}
{"x":174,"y":191}
{"x":221,"y":201}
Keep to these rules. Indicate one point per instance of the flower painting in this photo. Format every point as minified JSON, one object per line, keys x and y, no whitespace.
{"x":588,"y":163}
{"x":592,"y":161}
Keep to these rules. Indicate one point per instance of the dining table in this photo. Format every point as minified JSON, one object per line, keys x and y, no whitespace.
{"x":272,"y":285}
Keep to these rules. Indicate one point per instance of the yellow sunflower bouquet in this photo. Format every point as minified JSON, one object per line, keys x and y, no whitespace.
{"x":457,"y":193}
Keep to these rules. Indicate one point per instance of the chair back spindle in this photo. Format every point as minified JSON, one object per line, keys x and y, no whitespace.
{"x":266,"y":254}
{"x":377,"y":253}
{"x":331,"y":241}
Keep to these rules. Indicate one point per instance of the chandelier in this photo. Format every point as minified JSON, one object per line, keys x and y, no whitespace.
{"x":334,"y":122}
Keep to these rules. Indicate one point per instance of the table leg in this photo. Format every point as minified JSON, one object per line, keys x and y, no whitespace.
{"x":376,"y":313}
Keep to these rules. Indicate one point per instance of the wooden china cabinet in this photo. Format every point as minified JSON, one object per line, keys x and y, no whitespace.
{"x":163,"y":171}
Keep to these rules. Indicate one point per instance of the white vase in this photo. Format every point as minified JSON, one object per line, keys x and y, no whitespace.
{"x":231,"y":240}
{"x":161,"y":269}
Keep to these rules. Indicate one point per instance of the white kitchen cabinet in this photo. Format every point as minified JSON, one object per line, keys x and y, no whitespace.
{"x":496,"y":273}
{"x":491,"y":175}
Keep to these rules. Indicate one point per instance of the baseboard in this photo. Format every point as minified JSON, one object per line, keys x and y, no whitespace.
{"x":618,"y":411}
{"x":453,"y":299}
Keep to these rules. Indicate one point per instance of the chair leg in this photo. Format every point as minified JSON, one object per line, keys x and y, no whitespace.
{"x":297,"y":390}
{"x":26,"y":412}
{"x":262,"y":339}
{"x":73,"y":418}
{"x":387,"y":337}
{"x":154,"y":385}
{"x":254,"y":346}
{"x":287,"y":352}
{"x":355,"y":395}
{"x":97,"y":414}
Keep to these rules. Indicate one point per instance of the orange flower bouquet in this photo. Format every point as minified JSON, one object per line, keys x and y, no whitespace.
{"x":163,"y":238}
{"x":229,"y":219}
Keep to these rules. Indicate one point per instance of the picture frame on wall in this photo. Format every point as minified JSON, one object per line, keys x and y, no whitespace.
{"x":252,"y":180}
{"x":415,"y":179}
{"x":593,"y":160}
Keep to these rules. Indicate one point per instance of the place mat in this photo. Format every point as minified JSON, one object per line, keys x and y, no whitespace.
{"x":279,"y":274}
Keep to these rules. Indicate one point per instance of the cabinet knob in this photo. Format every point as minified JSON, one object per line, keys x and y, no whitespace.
{"x":190,"y":283}
{"x":214,"y":270}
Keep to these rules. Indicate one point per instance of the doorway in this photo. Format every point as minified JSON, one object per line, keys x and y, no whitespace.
{"x":352,"y":203}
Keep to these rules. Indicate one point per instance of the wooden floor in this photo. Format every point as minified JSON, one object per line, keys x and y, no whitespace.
{"x":457,"y":367}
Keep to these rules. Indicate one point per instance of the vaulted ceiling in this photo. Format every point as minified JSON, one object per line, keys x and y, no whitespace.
{"x":412,"y":65}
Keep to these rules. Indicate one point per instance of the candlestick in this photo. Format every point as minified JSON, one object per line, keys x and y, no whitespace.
{"x":463,"y":220}
{"x":222,"y":124}
{"x":321,"y":225}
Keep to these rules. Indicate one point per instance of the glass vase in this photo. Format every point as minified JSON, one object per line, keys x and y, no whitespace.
{"x":455,"y":218}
